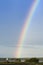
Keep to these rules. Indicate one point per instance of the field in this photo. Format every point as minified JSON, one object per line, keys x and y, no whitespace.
{"x":21,"y":63}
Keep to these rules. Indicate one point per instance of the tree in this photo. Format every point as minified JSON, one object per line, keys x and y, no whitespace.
{"x":36,"y":60}
{"x":27,"y":60}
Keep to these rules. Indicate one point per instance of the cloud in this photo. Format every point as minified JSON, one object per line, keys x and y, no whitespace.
{"x":6,"y":51}
{"x":29,"y":51}
{"x":32,"y":51}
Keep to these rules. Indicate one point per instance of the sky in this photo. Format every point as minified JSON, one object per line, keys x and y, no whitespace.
{"x":12,"y":18}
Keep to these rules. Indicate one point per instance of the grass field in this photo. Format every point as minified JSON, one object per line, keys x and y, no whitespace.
{"x":21,"y":63}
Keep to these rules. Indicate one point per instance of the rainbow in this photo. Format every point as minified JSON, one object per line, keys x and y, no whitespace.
{"x":25,"y":28}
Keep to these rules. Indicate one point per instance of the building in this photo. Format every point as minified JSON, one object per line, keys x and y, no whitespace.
{"x":22,"y":59}
{"x":11,"y":59}
{"x":40,"y":60}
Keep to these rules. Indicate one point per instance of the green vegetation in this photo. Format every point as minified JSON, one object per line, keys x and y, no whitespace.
{"x":34,"y":60}
{"x":28,"y":61}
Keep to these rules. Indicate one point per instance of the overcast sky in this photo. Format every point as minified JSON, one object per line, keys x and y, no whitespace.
{"x":12,"y":16}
